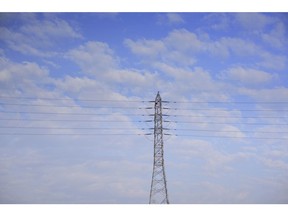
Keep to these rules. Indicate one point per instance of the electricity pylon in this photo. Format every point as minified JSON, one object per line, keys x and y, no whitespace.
{"x":158,"y":191}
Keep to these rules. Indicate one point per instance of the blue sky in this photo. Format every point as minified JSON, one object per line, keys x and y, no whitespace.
{"x":193,"y":59}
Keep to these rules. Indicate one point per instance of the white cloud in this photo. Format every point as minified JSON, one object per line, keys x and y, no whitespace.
{"x":38,"y":175}
{"x":229,"y":46}
{"x":218,"y":21}
{"x":253,"y":21}
{"x":182,"y":47}
{"x":94,"y":58}
{"x":79,"y":87}
{"x":170,"y":19}
{"x":174,"y":18}
{"x":97,"y":60}
{"x":21,"y":77}
{"x":149,"y":48}
{"x":267,"y":28}
{"x":197,"y":79}
{"x":49,"y":29}
{"x":26,"y":48}
{"x":273,"y":94}
{"x":278,"y":164}
{"x":277,"y":37}
{"x":233,"y":131}
{"x":178,"y":47}
{"x":270,"y":61}
{"x":217,"y":48}
{"x":235,"y":46}
{"x":84,"y":87}
{"x":248,"y":76}
{"x":195,"y":83}
{"x":38,"y":37}
{"x":214,"y":159}
{"x":183,"y":40}
{"x":132,"y":78}
{"x":109,"y":85}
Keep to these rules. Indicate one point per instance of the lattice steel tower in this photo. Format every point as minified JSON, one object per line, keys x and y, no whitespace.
{"x":158,"y":191}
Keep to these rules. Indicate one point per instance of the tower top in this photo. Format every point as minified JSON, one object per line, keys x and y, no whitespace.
{"x":158,"y":96}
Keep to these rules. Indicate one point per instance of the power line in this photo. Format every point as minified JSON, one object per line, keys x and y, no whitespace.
{"x":107,"y":130}
{"x":143,"y":129}
{"x":71,"y":106}
{"x":216,"y":109}
{"x":70,"y":128}
{"x":225,"y":123}
{"x":228,"y":102}
{"x":139,"y":121}
{"x":62,"y":113}
{"x":70,"y":134}
{"x":136,"y":134}
{"x":225,"y":131}
{"x":122,"y":107}
{"x":228,"y":137}
{"x":102,"y":128}
{"x":71,"y":120}
{"x":75,"y":99}
{"x":216,"y":116}
{"x":144,"y":101}
{"x":129,"y":114}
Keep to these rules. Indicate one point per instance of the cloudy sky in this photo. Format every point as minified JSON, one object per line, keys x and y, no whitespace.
{"x":75,"y":105}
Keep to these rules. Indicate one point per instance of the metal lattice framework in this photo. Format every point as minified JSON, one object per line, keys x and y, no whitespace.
{"x":158,"y":191}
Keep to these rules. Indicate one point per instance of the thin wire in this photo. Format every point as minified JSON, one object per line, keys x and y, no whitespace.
{"x":70,"y":106}
{"x":225,"y":131}
{"x":229,"y":137}
{"x":99,"y":128}
{"x":68,"y":128}
{"x":216,"y":116}
{"x":76,"y":99}
{"x":167,"y":121}
{"x":228,"y":102}
{"x":113,"y":107}
{"x":61,"y":113}
{"x":225,"y":123}
{"x":71,"y":120}
{"x":129,"y":114}
{"x":121,"y":134}
{"x":215,"y":109}
{"x":62,"y":134}
{"x":163,"y":101}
